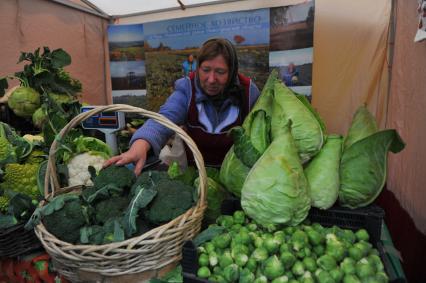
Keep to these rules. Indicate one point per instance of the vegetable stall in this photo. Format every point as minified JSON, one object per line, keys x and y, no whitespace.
{"x":312,"y":189}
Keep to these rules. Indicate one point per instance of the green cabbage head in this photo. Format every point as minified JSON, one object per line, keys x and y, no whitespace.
{"x":24,"y":101}
{"x":363,"y":167}
{"x":322,"y":173}
{"x":276,"y":190}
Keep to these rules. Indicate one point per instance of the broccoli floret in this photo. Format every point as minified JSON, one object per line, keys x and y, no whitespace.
{"x":21,"y":178}
{"x":66,"y":222}
{"x":120,"y":176}
{"x":111,"y":231}
{"x":173,"y":199}
{"x":110,"y":208}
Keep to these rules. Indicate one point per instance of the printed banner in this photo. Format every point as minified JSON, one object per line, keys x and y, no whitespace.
{"x":169,"y":44}
{"x":127,"y":64}
{"x":147,"y":59}
{"x":291,"y":45}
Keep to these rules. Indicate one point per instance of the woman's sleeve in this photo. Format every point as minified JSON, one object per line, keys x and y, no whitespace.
{"x":175,"y":109}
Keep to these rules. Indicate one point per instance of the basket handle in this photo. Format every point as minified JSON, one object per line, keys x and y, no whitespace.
{"x":51,"y":178}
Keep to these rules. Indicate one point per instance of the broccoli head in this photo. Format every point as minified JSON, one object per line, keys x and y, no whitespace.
{"x":66,"y":222}
{"x":110,"y":208}
{"x":120,"y":176}
{"x":173,"y":199}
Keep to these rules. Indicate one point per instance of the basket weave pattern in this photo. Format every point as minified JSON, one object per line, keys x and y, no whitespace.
{"x":150,"y":251}
{"x":15,"y":241}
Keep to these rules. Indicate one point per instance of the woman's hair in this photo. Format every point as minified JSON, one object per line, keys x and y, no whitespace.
{"x":220,"y":46}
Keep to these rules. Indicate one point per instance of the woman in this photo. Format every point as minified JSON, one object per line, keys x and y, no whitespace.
{"x":207,"y":103}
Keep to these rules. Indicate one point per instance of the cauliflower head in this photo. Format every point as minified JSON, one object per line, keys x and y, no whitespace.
{"x":21,"y":178}
{"x":78,"y":168}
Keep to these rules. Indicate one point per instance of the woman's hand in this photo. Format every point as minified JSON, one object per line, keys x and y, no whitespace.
{"x":136,"y":155}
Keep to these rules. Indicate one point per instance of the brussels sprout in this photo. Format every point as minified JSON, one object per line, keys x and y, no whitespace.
{"x":209,"y":247}
{"x":239,"y":217}
{"x":236,"y":228}
{"x":279,"y":236}
{"x":213,"y":259}
{"x":288,"y":259}
{"x":298,"y":268}
{"x":239,"y":249}
{"x":225,"y":259}
{"x":364,"y":269}
{"x":349,"y":236}
{"x":310,"y":264}
{"x":260,"y":254}
{"x":307,"y":278}
{"x":217,"y":278}
{"x":335,"y":248}
{"x":225,"y":220}
{"x":293,"y":280}
{"x":285,"y":247}
{"x":336,"y":274}
{"x":252,"y":227}
{"x":289,"y":230}
{"x":323,"y":276}
{"x":203,"y":260}
{"x":376,"y":262}
{"x":281,"y":279}
{"x":348,"y":265}
{"x":261,"y":279}
{"x":222,"y":241}
{"x":273,"y":268}
{"x":381,"y":277}
{"x":355,"y":253}
{"x":365,"y":247}
{"x":246,"y":276}
{"x":351,"y":278}
{"x":362,"y":235}
{"x":203,"y":272}
{"x":327,"y":262}
{"x":315,"y":238}
{"x":231,"y":273}
{"x":241,"y":259}
{"x":271,"y":244}
{"x":319,"y":250}
{"x":251,"y":264}
{"x":217,"y":269}
{"x":299,"y":240}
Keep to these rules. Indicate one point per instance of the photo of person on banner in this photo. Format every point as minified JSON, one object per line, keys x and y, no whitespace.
{"x":189,"y":65}
{"x":207,"y":104}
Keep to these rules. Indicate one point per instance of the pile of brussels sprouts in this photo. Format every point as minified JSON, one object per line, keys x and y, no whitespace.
{"x":245,"y":251}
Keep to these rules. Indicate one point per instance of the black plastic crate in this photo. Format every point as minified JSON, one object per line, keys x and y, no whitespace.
{"x":369,"y":218}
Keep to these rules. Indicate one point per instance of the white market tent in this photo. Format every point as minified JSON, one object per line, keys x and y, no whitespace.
{"x":363,"y":53}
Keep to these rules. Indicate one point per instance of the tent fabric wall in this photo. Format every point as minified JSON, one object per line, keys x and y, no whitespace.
{"x":28,"y":24}
{"x":350,"y":60}
{"x":407,"y":113}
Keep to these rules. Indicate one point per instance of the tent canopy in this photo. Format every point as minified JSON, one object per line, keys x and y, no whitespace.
{"x":126,"y":8}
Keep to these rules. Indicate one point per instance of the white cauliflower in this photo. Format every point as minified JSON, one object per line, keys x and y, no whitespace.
{"x":78,"y":168}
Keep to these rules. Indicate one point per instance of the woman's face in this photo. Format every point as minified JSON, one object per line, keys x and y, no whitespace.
{"x":213,"y":75}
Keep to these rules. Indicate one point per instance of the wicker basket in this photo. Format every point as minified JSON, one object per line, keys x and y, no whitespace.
{"x":16,"y":241}
{"x":146,"y":253}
